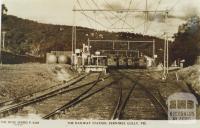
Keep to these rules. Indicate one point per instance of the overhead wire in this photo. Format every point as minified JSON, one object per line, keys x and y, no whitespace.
{"x":89,"y":7}
{"x":82,"y":12}
{"x":124,"y":18}
{"x":121,"y":19}
{"x":130,"y":3}
{"x":167,"y":10}
{"x":160,"y":1}
{"x":102,"y":12}
{"x":173,"y":6}
{"x":90,"y":24}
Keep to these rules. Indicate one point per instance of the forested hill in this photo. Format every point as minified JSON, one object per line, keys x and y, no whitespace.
{"x":29,"y":37}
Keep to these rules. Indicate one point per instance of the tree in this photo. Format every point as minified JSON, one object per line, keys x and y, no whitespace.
{"x":187,"y":41}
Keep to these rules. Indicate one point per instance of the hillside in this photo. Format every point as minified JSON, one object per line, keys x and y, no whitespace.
{"x":29,"y":37}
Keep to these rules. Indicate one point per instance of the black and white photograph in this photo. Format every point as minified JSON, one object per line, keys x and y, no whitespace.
{"x":106,"y":60}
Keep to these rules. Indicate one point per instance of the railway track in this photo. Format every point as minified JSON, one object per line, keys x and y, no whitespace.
{"x":126,"y":104}
{"x":133,"y":99}
{"x":121,"y":103}
{"x":18,"y":99}
{"x":80,"y":98}
{"x":13,"y":108}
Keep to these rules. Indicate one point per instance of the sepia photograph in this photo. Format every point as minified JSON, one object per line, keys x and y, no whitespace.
{"x":100,"y":60}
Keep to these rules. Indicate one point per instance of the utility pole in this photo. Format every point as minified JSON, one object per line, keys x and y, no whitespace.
{"x":74,"y":32}
{"x":154,"y":49}
{"x":146,"y":16}
{"x":166,"y":57}
{"x":73,"y":37}
{"x":166,"y":52}
{"x":3,"y":45}
{"x":0,"y":54}
{"x":164,"y":63}
{"x":88,"y":45}
{"x":167,"y":45}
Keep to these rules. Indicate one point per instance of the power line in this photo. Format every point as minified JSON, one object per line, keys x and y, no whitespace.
{"x":160,"y":1}
{"x":90,"y":24}
{"x":168,"y":10}
{"x":116,"y":15}
{"x":90,"y":17}
{"x":120,"y":18}
{"x":102,"y":13}
{"x":127,"y":12}
{"x":174,"y":5}
{"x":89,"y":6}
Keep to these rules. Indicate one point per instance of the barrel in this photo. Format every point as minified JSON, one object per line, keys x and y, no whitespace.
{"x":51,"y":58}
{"x":62,"y":59}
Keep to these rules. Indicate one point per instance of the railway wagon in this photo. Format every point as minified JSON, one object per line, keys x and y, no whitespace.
{"x":130,"y":62}
{"x":140,"y":62}
{"x":122,"y":61}
{"x":112,"y":61}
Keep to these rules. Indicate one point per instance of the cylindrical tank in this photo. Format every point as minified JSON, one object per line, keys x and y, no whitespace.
{"x":51,"y":58}
{"x":62,"y":59}
{"x":198,"y":60}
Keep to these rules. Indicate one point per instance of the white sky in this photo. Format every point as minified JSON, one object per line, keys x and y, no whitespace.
{"x":60,"y":12}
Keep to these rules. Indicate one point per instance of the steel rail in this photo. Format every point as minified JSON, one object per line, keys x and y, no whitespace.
{"x":153,"y":97}
{"x":117,"y":106}
{"x":119,"y":112}
{"x":77,"y":100}
{"x":42,"y":97}
{"x":8,"y":102}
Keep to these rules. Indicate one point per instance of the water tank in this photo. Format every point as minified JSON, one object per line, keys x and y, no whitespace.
{"x":62,"y":59}
{"x":51,"y":58}
{"x":198,"y":60}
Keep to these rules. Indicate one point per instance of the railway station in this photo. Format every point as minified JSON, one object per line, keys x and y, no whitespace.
{"x":101,"y":67}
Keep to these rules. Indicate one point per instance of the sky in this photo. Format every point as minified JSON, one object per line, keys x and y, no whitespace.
{"x":60,"y":12}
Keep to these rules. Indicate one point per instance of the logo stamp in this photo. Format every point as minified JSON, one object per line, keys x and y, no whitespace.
{"x":181,"y":107}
